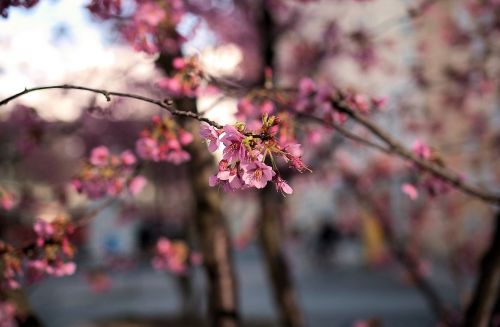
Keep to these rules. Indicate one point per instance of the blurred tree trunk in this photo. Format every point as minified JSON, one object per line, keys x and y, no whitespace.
{"x":486,"y":294}
{"x":271,"y":243}
{"x":213,"y":235}
{"x":270,"y":228}
{"x":210,"y":225}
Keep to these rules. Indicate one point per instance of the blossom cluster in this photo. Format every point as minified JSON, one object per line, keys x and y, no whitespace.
{"x":173,"y":256}
{"x":186,"y":79}
{"x":163,"y":141}
{"x":55,"y":250}
{"x":153,"y":26}
{"x":245,"y":152}
{"x":320,"y":99}
{"x":251,"y":109}
{"x":51,"y":254}
{"x":107,"y":174}
{"x":432,"y":184}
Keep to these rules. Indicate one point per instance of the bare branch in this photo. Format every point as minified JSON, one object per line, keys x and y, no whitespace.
{"x":166,"y":104}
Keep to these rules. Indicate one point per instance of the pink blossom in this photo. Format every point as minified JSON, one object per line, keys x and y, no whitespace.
{"x":177,"y":156}
{"x":171,"y":85}
{"x":234,"y":149}
{"x":147,"y":148}
{"x":178,"y":63}
{"x":136,"y":184}
{"x":245,"y":109}
{"x":421,"y":149}
{"x":43,"y":230}
{"x":339,"y":117}
{"x":213,"y":181}
{"x":99,"y":156}
{"x":314,"y":137}
{"x":282,"y":186}
{"x":257,"y":174}
{"x":306,"y":87}
{"x":115,"y":186}
{"x":294,"y":149}
{"x":169,"y":256}
{"x":211,"y":135}
{"x":128,"y":158}
{"x":232,"y":176}
{"x":149,"y":13}
{"x":185,"y":137}
{"x":267,"y":107}
{"x":60,"y":269}
{"x":360,"y":102}
{"x":378,"y":102}
{"x":410,"y":190}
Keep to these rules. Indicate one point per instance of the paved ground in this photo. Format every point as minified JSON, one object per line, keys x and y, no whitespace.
{"x":330,"y":296}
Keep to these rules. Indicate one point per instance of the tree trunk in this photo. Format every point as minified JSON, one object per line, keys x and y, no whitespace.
{"x":213,"y":237}
{"x":210,"y":224}
{"x":481,"y":307}
{"x":271,"y":240}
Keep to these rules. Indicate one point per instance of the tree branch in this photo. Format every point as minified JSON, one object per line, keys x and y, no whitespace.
{"x":393,"y":146}
{"x":166,"y":104}
{"x":397,"y":148}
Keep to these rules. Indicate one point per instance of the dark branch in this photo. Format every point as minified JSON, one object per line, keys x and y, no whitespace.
{"x":166,"y":104}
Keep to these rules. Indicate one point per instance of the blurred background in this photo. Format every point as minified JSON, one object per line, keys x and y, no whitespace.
{"x":346,"y":234}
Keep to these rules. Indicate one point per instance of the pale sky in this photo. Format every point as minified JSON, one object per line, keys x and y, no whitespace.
{"x":31,"y":55}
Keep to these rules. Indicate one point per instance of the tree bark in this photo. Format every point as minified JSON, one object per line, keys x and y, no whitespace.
{"x":271,"y":244}
{"x":481,"y":307}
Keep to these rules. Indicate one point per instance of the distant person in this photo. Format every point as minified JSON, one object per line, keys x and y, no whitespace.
{"x":327,"y":239}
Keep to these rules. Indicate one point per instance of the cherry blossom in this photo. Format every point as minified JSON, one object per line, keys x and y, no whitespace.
{"x":163,"y":141}
{"x":107,"y":174}
{"x":410,"y":190}
{"x":243,"y":164}
{"x":257,"y":174}
{"x":210,"y":134}
{"x":171,"y":256}
{"x":186,"y":79}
